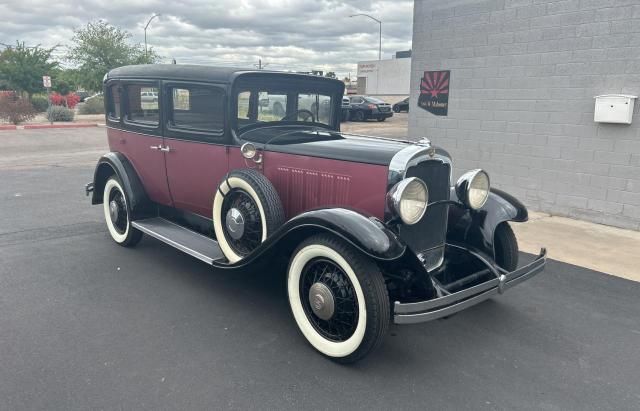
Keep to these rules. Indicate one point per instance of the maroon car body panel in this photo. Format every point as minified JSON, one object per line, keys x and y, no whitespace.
{"x":148,"y":163}
{"x":304,"y":183}
{"x":194,"y":171}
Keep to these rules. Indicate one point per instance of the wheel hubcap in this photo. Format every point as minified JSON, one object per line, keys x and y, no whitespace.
{"x":235,"y":223}
{"x":329,"y":299}
{"x":321,"y":301}
{"x":113,"y":210}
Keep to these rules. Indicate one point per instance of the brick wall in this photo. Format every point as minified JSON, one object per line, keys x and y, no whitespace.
{"x":523,"y":77}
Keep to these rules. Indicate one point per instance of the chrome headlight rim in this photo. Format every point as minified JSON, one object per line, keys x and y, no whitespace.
{"x":465,"y":184}
{"x":396,"y":195}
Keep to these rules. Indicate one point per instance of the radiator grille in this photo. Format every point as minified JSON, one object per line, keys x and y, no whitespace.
{"x":427,"y":237}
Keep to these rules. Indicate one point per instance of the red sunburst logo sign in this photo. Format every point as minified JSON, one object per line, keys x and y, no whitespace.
{"x":434,"y":92}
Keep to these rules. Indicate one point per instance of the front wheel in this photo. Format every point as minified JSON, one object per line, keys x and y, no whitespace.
{"x":506,"y":247}
{"x":358,"y":116}
{"x":117,"y":216}
{"x":338,"y":298}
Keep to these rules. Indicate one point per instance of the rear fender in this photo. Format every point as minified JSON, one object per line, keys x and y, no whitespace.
{"x":116,"y":163}
{"x":476,"y":228}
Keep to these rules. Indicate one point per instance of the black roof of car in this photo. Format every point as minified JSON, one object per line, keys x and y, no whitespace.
{"x":193,"y":72}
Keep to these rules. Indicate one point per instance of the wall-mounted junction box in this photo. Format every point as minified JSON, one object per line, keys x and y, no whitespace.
{"x":614,"y":108}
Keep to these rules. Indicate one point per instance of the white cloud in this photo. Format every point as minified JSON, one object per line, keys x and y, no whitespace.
{"x":286,"y":34}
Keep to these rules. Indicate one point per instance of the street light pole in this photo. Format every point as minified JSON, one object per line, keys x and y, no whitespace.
{"x":380,"y":35}
{"x":146,"y":53}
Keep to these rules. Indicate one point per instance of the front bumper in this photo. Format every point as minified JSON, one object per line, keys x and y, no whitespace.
{"x":415,"y":312}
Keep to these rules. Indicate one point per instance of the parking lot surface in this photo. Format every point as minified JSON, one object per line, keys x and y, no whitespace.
{"x":86,"y":324}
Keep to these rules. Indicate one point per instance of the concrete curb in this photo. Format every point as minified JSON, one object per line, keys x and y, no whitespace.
{"x":44,"y":126}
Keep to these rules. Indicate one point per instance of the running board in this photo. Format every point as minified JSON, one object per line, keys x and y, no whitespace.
{"x":195,"y":244}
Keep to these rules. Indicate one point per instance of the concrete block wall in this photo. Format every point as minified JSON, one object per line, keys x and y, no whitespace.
{"x":523,"y":77}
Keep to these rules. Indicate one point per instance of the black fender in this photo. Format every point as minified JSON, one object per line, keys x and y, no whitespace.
{"x":367,"y":234}
{"x":116,"y":163}
{"x":476,"y":228}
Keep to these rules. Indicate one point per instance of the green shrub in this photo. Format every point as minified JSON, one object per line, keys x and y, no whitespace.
{"x":60,"y":113}
{"x":92,"y":106}
{"x":40,"y":103}
{"x":15,"y":110}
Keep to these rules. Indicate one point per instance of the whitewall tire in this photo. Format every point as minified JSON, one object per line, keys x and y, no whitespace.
{"x":246,"y":210}
{"x":328,"y":279}
{"x":117,"y":214}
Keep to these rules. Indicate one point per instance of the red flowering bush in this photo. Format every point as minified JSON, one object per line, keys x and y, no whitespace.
{"x":70,"y":100}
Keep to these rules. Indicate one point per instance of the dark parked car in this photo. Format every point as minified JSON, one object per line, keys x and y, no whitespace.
{"x":370,"y":230}
{"x":364,"y":108}
{"x":401,"y":106}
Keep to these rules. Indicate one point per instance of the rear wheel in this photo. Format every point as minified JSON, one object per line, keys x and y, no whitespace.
{"x":396,"y":109}
{"x":116,"y":214}
{"x":358,"y":116}
{"x":506,"y":247}
{"x":338,"y":298}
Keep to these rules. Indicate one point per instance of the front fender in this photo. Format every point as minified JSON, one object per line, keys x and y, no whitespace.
{"x":368,"y":235}
{"x":116,"y":163}
{"x":476,"y":228}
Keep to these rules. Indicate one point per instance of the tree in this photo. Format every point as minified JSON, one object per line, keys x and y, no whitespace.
{"x":22,"y":67}
{"x":99,"y":47}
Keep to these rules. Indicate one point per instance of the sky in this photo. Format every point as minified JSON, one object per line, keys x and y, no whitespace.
{"x":300,"y":35}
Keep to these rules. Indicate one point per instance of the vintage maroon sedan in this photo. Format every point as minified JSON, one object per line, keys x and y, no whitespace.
{"x":373,"y":229}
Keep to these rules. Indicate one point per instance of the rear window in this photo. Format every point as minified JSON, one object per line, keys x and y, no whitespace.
{"x":197,"y":108}
{"x":142,"y":104}
{"x":374,"y":100}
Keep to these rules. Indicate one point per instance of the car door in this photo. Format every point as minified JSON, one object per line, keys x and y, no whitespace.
{"x":135,"y":131}
{"x":195,"y":151}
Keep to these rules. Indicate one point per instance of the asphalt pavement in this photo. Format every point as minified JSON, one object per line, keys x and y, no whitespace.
{"x":86,"y":324}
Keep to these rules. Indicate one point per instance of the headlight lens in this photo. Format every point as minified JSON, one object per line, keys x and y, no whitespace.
{"x":409,"y":199}
{"x":473,"y":188}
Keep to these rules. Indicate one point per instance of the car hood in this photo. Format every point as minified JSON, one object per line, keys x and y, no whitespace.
{"x":326,"y":144}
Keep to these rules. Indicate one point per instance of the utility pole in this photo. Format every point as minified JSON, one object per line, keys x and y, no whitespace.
{"x":260,"y":66}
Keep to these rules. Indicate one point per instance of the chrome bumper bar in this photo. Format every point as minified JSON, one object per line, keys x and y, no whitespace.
{"x":410,"y":313}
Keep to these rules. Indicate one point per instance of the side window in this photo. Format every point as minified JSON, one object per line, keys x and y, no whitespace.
{"x":244,"y":98}
{"x":142,"y":104}
{"x":113,"y":102}
{"x":197,"y":108}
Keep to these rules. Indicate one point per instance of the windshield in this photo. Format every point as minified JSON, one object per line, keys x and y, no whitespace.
{"x":267,"y":106}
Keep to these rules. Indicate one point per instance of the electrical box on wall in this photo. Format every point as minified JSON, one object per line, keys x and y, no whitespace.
{"x":614,"y":108}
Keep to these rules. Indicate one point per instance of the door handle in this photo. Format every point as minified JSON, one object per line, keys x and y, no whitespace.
{"x":156,"y":147}
{"x":166,"y":149}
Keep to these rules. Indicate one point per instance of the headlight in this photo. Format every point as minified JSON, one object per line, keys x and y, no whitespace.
{"x":472,"y":188}
{"x":408,"y":199}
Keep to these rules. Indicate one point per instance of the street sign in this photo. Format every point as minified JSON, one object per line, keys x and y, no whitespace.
{"x":46,"y":81}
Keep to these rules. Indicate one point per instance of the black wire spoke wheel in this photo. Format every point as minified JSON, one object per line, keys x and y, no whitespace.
{"x":243,"y":228}
{"x":329,"y":299}
{"x":118,"y":211}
